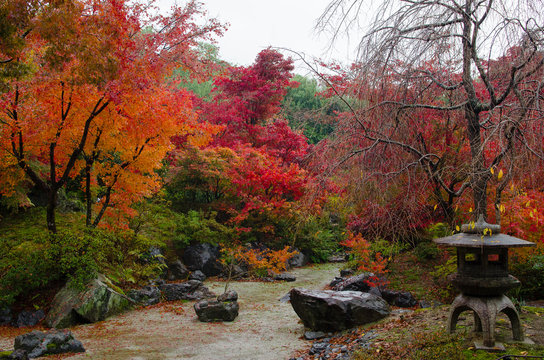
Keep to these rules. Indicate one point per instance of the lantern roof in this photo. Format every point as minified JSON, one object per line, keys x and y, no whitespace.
{"x":482,"y":234}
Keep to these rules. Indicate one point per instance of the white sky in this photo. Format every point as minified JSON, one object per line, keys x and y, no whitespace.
{"x":257,"y":24}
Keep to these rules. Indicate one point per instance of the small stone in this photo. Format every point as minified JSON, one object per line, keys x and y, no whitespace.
{"x":346,"y":272}
{"x":177,"y":271}
{"x":146,"y":296}
{"x":337,"y":280}
{"x":5,"y":316}
{"x":230,"y":295}
{"x":213,"y":310}
{"x":38,"y":343}
{"x":401,"y":311}
{"x":344,"y":349}
{"x":28,"y":318}
{"x":319,"y":347}
{"x":197,"y":275}
{"x":405,"y":299}
{"x":314,"y":335}
{"x":337,"y":258}
{"x":285,"y":298}
{"x":188,"y":290}
{"x":285,"y":277}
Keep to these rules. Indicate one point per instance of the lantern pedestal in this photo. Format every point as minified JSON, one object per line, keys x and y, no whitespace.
{"x":485,"y":311}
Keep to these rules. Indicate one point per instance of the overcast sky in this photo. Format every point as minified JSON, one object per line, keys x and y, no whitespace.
{"x":257,"y":24}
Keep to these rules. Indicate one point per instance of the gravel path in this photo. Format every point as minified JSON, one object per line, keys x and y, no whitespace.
{"x":266,"y":329}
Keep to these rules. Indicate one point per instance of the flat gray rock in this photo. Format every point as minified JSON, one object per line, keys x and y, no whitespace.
{"x":329,"y":310}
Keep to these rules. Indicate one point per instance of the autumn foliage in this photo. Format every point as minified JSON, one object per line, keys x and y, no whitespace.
{"x":93,"y":103}
{"x":251,"y":173}
{"x":260,"y":262}
{"x":366,"y":261}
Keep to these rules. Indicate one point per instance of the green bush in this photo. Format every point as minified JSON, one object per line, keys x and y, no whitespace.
{"x":440,"y":275}
{"x":24,"y":267}
{"x":531,"y":274}
{"x":426,"y":250}
{"x":439,"y":230}
{"x":387,"y":248}
{"x":318,"y":236}
{"x":157,"y":220}
{"x":75,"y":254}
{"x":197,"y":227}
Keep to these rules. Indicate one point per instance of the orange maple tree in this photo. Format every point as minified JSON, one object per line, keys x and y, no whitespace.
{"x":95,"y":99}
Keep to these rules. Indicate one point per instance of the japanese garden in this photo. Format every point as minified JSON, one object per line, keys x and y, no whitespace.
{"x":159,"y":201}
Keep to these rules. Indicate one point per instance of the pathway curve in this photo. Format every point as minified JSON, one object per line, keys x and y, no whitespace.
{"x":266,"y":329}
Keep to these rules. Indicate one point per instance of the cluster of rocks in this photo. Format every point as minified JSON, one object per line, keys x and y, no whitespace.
{"x":22,"y":319}
{"x":362,"y":282}
{"x":99,"y":300}
{"x":339,"y":347}
{"x":224,"y":308}
{"x":37,"y":343}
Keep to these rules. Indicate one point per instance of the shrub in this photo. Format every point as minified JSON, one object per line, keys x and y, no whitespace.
{"x":531,"y":274}
{"x":359,"y":248}
{"x":76,"y":254}
{"x":388,"y":249}
{"x":426,"y":250}
{"x":440,"y":275}
{"x":197,"y":227}
{"x":439,"y":230}
{"x":319,"y":236}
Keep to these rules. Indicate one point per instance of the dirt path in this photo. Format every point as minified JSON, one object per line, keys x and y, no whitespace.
{"x":265,"y":328}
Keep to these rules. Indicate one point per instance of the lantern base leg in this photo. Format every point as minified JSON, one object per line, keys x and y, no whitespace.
{"x":485,"y":311}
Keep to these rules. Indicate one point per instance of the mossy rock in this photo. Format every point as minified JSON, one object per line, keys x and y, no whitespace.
{"x":96,"y":303}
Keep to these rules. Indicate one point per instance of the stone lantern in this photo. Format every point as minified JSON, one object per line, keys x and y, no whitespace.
{"x":482,"y":276}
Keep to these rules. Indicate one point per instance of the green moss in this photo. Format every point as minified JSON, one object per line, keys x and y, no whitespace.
{"x":5,"y":354}
{"x":533,"y":310}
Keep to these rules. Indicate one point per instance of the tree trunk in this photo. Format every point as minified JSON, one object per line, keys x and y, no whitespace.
{"x":89,"y":202}
{"x":479,"y":175}
{"x":52,"y":204}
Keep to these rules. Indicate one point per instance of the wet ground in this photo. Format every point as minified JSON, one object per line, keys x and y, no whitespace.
{"x":266,"y":329}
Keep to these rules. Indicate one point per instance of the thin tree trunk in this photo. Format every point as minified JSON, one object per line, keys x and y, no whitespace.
{"x":51,"y":206}
{"x":89,"y":212}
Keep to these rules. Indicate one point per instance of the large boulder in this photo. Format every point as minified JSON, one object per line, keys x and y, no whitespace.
{"x":225,"y":308}
{"x":97,"y":302}
{"x":329,"y":310}
{"x":188,"y":290}
{"x":38,"y":343}
{"x":203,"y":257}
{"x":146,"y":296}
